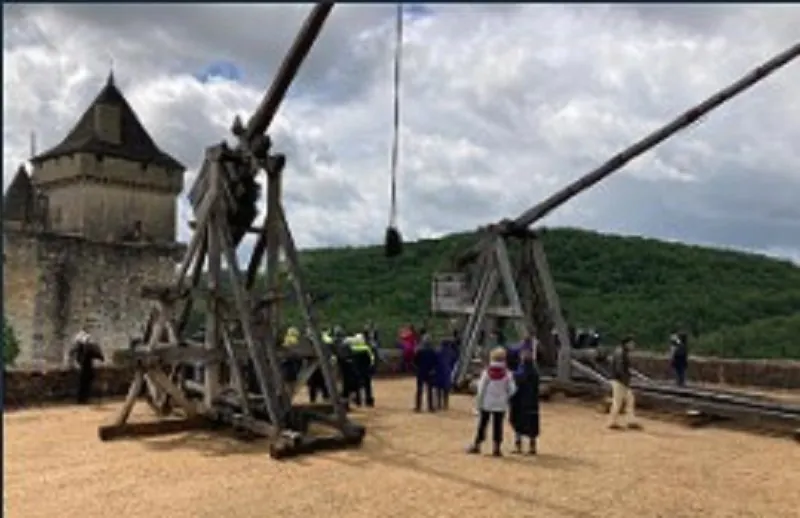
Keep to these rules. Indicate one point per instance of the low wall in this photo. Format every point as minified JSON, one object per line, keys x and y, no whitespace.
{"x":773,"y":374}
{"x":36,"y":386}
{"x":32,"y":387}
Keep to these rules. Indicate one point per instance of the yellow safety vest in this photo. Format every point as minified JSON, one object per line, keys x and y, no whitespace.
{"x":291,"y":338}
{"x":362,"y":346}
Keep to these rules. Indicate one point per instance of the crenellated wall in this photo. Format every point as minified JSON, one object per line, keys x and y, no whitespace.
{"x":54,"y":285}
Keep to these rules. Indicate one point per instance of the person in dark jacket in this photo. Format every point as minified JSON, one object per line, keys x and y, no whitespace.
{"x":364,"y":365}
{"x":446,"y":357}
{"x":425,"y":366}
{"x":621,"y":393}
{"x":524,"y":407}
{"x":84,"y":353}
{"x":316,"y":382}
{"x":679,"y":357}
{"x":344,"y":359}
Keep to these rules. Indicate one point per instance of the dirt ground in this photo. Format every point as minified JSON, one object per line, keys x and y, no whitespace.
{"x":411,"y":465}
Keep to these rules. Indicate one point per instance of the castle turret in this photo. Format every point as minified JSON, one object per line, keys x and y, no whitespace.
{"x":23,"y":207}
{"x":18,"y":202}
{"x":107,"y":180}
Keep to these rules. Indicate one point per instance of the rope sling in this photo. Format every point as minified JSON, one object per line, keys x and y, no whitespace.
{"x":393,"y":243}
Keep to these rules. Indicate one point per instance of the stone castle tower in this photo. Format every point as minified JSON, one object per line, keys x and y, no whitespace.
{"x":93,"y":221}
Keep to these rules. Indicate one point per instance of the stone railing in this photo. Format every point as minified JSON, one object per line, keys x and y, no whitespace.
{"x":32,"y":387}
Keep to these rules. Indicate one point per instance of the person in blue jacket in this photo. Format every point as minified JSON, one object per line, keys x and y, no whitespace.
{"x":446,"y":357}
{"x":425,"y":360}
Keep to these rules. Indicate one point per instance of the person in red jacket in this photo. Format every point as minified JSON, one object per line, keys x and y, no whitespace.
{"x":408,"y":340}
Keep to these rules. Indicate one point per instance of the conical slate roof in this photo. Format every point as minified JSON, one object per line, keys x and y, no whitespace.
{"x":135,"y":143}
{"x":18,"y":202}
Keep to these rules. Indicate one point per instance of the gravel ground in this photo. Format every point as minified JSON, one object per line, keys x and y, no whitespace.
{"x":411,"y":465}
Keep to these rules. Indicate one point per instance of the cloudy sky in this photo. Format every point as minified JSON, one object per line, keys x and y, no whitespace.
{"x":501,"y":105}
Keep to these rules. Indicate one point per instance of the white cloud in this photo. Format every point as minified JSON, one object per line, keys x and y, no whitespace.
{"x":502,"y":104}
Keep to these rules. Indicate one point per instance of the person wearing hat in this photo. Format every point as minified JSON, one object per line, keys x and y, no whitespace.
{"x":621,"y":393}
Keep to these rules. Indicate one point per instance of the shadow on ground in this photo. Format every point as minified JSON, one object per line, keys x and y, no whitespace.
{"x":379,"y":449}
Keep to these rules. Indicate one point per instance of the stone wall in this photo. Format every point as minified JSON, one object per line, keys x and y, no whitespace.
{"x":29,"y":387}
{"x":24,"y":388}
{"x":54,"y":285}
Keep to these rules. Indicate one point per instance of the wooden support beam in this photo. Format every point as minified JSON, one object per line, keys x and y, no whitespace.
{"x":212,"y":325}
{"x":323,"y":350}
{"x":249,"y":230}
{"x":243,"y":309}
{"x":191,"y":351}
{"x":554,"y":305}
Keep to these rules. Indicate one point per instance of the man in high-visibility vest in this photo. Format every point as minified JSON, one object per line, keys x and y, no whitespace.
{"x":363,"y":360}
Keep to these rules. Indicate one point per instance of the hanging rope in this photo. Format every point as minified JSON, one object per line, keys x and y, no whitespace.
{"x":394,"y":242}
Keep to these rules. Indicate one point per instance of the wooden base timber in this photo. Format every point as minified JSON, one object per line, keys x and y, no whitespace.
{"x":153,"y":428}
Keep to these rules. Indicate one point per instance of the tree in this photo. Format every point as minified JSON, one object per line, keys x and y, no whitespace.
{"x":10,"y":344}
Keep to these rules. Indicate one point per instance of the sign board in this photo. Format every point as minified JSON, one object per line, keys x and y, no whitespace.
{"x":450,"y":296}
{"x":449,"y":293}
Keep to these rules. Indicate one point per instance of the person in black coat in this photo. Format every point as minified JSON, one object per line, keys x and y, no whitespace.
{"x":524,"y":408}
{"x":679,"y":357}
{"x":425,"y":360}
{"x":345,"y":361}
{"x":84,"y":353}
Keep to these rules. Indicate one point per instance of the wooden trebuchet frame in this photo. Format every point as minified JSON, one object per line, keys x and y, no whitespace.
{"x":241,"y":325}
{"x":529,"y":291}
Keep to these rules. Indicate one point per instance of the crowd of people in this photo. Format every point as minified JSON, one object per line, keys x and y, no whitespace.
{"x":508,"y":383}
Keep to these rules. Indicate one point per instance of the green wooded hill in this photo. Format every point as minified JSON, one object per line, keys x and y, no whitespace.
{"x":734,"y":304}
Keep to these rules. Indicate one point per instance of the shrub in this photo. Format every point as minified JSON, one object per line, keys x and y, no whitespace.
{"x":10,"y":344}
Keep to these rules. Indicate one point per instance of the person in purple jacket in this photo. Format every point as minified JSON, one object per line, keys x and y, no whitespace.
{"x":446,"y":358}
{"x":515,"y":353}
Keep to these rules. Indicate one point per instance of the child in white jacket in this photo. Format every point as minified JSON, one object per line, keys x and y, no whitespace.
{"x":495,"y":388}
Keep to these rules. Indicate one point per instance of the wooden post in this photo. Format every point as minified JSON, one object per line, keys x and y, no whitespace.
{"x":243,"y":308}
{"x":321,"y":348}
{"x":522,"y":324}
{"x":554,"y":305}
{"x":211,"y":370}
{"x":273,"y":241}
